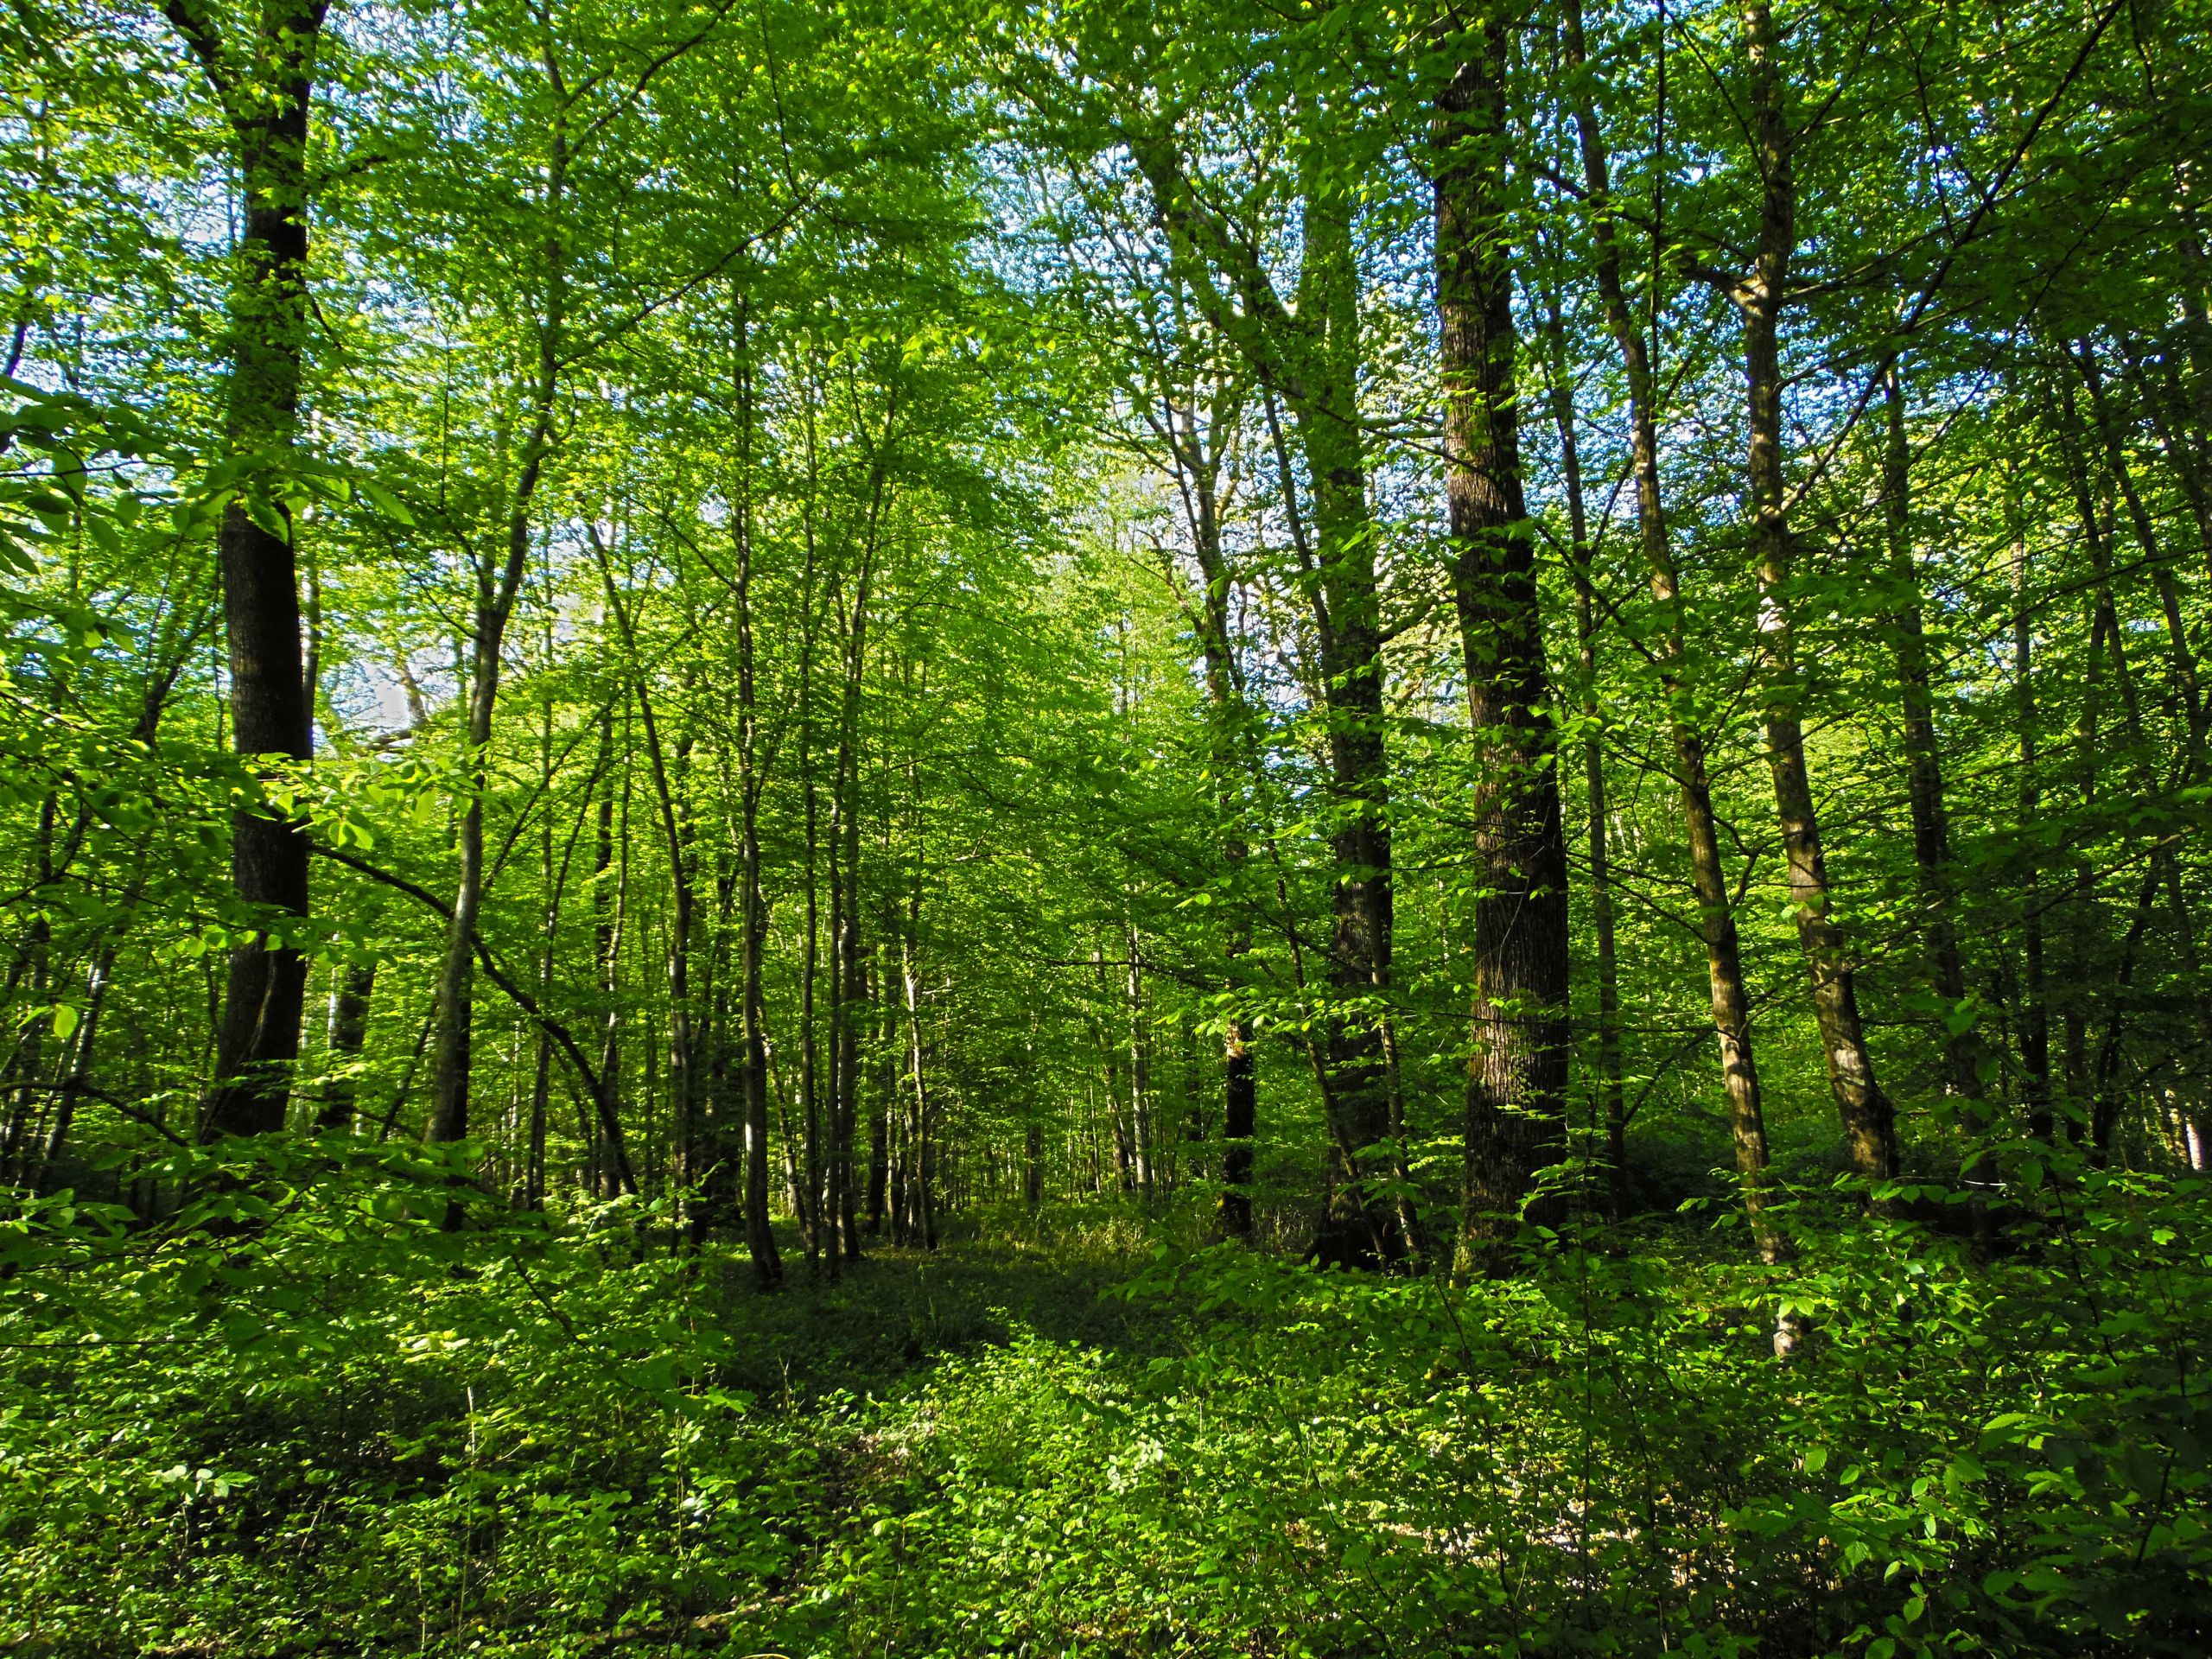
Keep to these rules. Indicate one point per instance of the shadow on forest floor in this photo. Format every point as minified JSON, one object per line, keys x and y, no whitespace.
{"x":894,"y":1311}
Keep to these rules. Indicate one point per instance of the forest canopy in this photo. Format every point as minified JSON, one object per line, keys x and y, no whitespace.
{"x":927,"y":827}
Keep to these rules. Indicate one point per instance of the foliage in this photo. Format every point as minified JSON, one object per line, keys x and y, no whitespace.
{"x":655,"y":658}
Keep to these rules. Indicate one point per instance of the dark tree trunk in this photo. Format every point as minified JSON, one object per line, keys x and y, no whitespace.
{"x":348,"y":1034}
{"x":1516,"y":1080}
{"x":1347,"y":609}
{"x":2035,"y":1015}
{"x":266,"y":984}
{"x":1198,"y":458}
{"x":1312,"y":357}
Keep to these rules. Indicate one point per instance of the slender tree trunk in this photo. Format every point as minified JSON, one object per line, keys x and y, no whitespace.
{"x":753,"y":925}
{"x":548,"y":886}
{"x":848,"y":969}
{"x":1141,"y":1100}
{"x":1313,"y":357}
{"x":881,"y":1109}
{"x":809,"y":1216}
{"x":751,"y":908}
{"x":2159,"y":391}
{"x":1612,"y":1105}
{"x":2181,"y":657}
{"x":32,"y":963}
{"x":1352,"y":675}
{"x":611,"y":902}
{"x":496,"y":592}
{"x":1109,"y":1066}
{"x":1032,"y":1140}
{"x":348,"y":1032}
{"x":1730,"y":1000}
{"x":683,"y":1169}
{"x":1869,"y":1121}
{"x":2084,"y":919}
{"x":73,"y":1075}
{"x":2163,"y":871}
{"x":1198,"y":459}
{"x":1931,"y":833}
{"x":921,"y":1199}
{"x":2035,"y":1016}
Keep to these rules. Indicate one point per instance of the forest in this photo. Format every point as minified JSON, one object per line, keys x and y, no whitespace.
{"x":1307,"y":829}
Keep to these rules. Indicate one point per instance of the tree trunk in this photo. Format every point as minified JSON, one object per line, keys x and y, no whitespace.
{"x":921,"y":1161}
{"x":752,"y":909}
{"x":848,"y":968}
{"x":2183,"y":658}
{"x":348,"y":1034}
{"x":496,"y":592}
{"x":611,"y":903}
{"x":1348,"y":612}
{"x":2035,"y":1016}
{"x":1313,"y":357}
{"x":882,"y":1109}
{"x":74,"y":1072}
{"x":549,"y":887}
{"x":685,"y":1169}
{"x":1612,"y":1105}
{"x":1140,"y":1102}
{"x":33,"y":962}
{"x":265,"y":983}
{"x":1931,"y":833}
{"x":1516,"y":1082}
{"x":1730,"y":1000}
{"x":1868,"y":1122}
{"x":1198,"y":459}
{"x":809,"y":1103}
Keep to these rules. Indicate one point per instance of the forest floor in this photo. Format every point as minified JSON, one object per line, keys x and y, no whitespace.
{"x":367,"y":1436}
{"x":898,"y":1311}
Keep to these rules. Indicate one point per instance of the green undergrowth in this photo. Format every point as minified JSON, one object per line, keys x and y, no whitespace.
{"x":328,"y":1426}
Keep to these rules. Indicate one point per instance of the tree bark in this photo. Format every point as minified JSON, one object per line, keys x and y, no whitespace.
{"x":1868,"y":1120}
{"x":2035,"y":1015}
{"x":1141,"y":1127}
{"x":348,"y":1034}
{"x":1516,"y":1085}
{"x":268,"y":102}
{"x":1931,"y":831}
{"x":921,"y":1162}
{"x":1348,"y":608}
{"x":1312,"y":356}
{"x":1611,"y":1103}
{"x":497,"y":589}
{"x":1198,"y":458}
{"x":848,"y":968}
{"x":752,"y":920}
{"x":1730,"y":1000}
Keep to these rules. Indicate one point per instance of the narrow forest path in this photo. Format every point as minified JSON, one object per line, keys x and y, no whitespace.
{"x":890,"y":1317}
